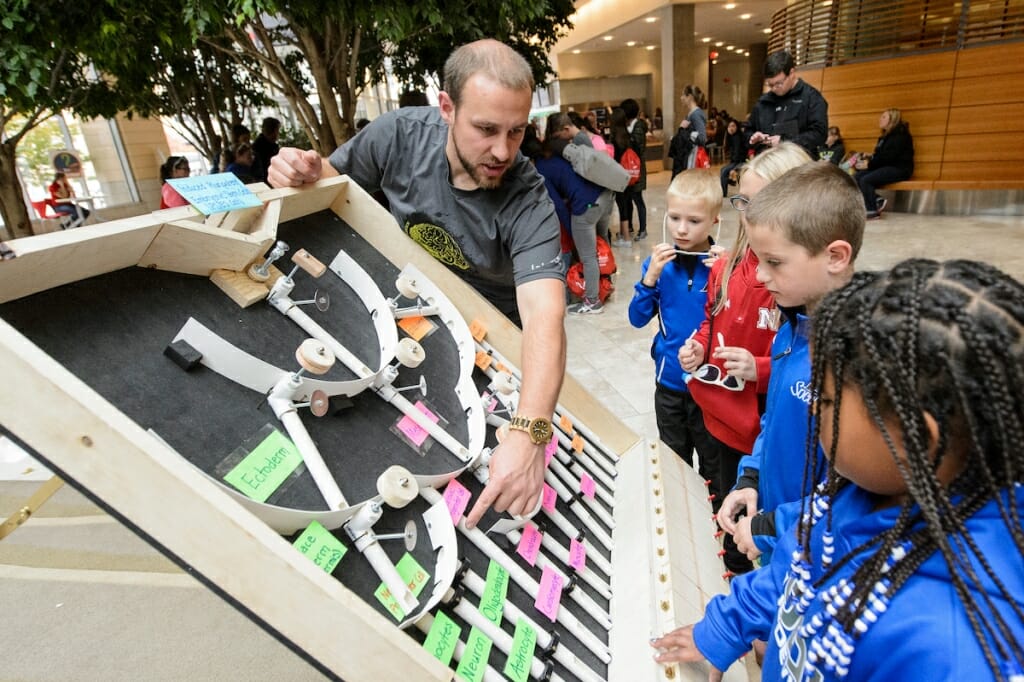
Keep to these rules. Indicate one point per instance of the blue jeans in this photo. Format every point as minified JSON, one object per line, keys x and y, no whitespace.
{"x":868,"y":180}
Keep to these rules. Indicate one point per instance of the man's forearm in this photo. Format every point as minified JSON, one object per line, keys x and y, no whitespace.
{"x":543,"y":355}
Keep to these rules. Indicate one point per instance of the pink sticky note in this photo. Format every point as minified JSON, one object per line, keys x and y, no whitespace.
{"x":587,"y":486}
{"x":550,"y":449}
{"x":456,"y":496}
{"x":548,"y":499}
{"x":491,"y":405}
{"x":411,"y":429}
{"x":550,"y":594}
{"x":577,"y":555}
{"x":529,"y":544}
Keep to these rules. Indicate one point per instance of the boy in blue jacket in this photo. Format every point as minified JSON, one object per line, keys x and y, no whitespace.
{"x":673,"y":287}
{"x":907,"y":562}
{"x":809,"y":253}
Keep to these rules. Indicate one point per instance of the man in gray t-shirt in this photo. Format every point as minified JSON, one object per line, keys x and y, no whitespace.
{"x":458,"y":186}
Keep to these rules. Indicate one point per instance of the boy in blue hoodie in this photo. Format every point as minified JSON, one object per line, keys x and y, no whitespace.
{"x":804,"y":254}
{"x":673,"y":287}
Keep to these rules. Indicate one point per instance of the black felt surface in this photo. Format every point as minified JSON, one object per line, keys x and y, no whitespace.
{"x":112,"y":331}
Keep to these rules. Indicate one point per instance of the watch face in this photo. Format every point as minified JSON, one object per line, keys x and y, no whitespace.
{"x":540,"y":431}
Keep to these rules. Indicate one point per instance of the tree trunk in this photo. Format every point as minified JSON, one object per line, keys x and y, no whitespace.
{"x":12,"y":202}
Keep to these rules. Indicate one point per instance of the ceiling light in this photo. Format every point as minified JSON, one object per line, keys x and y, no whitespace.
{"x":651,"y":47}
{"x":630,"y":43}
{"x":766,"y":30}
{"x":730,"y":47}
{"x":576,"y":51}
{"x":720,"y":43}
{"x":705,"y":40}
{"x":744,"y":17}
{"x":651,"y":20}
{"x":609,"y":38}
{"x":714,"y":61}
{"x":730,"y":5}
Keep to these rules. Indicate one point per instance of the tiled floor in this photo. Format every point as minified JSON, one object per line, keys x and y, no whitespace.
{"x":612,"y":359}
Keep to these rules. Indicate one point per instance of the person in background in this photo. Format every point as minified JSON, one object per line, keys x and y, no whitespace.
{"x":736,"y":154}
{"x":892,"y":161}
{"x":242,"y":165}
{"x":563,"y":127}
{"x":634,"y":194}
{"x":834,"y":149}
{"x":791,"y":109}
{"x":413,"y":98}
{"x":265,"y":147}
{"x":466,"y":195}
{"x":673,"y":287}
{"x":619,"y":134}
{"x":62,"y":196}
{"x":173,"y":167}
{"x":913,"y":537}
{"x":596,"y":140}
{"x":362,"y":123}
{"x":692,"y":131}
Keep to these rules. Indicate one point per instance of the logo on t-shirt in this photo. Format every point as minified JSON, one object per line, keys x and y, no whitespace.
{"x":438,"y":242}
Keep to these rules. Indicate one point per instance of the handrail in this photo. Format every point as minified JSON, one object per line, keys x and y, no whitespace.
{"x":838,"y":32}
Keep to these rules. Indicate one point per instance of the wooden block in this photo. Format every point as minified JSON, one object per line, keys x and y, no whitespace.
{"x":305,"y":260}
{"x":241,"y":289}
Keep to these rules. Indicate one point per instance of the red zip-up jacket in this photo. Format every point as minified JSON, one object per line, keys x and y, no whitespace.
{"x":749,"y":320}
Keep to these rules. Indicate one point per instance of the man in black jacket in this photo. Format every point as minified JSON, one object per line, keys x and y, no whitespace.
{"x":791,"y":109}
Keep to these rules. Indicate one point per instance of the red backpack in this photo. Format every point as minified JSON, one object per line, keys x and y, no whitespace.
{"x":701,"y":158}
{"x":631,"y":162}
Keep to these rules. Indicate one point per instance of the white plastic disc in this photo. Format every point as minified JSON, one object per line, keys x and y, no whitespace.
{"x":410,"y":353}
{"x":397,"y":486}
{"x":314,"y":356}
{"x":504,"y":383}
{"x":407,"y":286}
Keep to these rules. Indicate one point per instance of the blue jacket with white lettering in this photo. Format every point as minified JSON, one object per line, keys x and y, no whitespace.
{"x":924,"y":634}
{"x":776,"y":464}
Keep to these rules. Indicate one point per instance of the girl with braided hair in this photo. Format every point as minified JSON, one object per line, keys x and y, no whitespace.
{"x":908,"y":560}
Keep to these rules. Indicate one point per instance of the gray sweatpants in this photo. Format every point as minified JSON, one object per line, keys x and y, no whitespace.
{"x":586,"y":227}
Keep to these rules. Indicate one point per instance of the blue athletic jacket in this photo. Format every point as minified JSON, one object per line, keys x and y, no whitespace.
{"x":776,"y":464}
{"x":678,"y":300}
{"x":924,"y":634}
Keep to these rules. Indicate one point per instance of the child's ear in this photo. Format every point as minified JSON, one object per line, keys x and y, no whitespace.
{"x":840,"y":256}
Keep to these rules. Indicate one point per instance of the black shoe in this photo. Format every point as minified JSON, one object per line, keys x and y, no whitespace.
{"x":880,"y":204}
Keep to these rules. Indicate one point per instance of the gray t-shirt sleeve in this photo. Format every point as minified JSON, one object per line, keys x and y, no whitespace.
{"x":534,"y":241}
{"x":365,"y":155}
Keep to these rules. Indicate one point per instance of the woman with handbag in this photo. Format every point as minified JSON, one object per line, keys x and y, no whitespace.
{"x":692,"y":133}
{"x":892,"y":161}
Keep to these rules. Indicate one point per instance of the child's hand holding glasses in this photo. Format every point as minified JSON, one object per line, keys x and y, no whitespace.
{"x":739,"y":362}
{"x":660,"y":255}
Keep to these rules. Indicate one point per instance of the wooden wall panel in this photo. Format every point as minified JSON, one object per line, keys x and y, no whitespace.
{"x":910,"y":70}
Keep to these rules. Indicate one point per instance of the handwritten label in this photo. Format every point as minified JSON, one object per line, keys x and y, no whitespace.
{"x":478,"y":330}
{"x":263,"y":470}
{"x":413,"y":575}
{"x":549,"y":498}
{"x":474,"y":657}
{"x":412,"y":430}
{"x":529,"y":543}
{"x":492,"y":601}
{"x":442,"y":637}
{"x":456,"y":496}
{"x":215,"y":193}
{"x":320,"y":546}
{"x":550,"y":449}
{"x":483,"y":360}
{"x":549,"y":596}
{"x":520,"y":656}
{"x":577,"y":555}
{"x":587,"y":486}
{"x":577,"y":443}
{"x":565,"y":423}
{"x":417,"y":327}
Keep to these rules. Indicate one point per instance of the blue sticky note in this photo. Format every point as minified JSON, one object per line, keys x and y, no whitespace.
{"x":215,"y":193}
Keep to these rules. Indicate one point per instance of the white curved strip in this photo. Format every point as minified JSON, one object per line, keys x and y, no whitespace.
{"x":443,"y":539}
{"x":352,"y":274}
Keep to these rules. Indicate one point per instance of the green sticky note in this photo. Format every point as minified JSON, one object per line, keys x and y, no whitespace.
{"x":492,"y":601}
{"x":520,"y":658}
{"x":322,"y":548}
{"x":442,"y":638}
{"x":474,"y":657}
{"x":263,"y":470}
{"x":414,"y":576}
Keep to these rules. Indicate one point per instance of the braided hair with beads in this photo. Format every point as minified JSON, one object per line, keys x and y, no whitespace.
{"x":926,"y":338}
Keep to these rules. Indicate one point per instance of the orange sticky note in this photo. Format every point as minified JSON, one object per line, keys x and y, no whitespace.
{"x":577,"y":443}
{"x":416,"y":327}
{"x":478,"y":330}
{"x":565,"y":423}
{"x":500,"y":366}
{"x":483,"y":360}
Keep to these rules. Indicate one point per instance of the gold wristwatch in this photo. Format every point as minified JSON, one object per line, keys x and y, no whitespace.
{"x":538,"y":428}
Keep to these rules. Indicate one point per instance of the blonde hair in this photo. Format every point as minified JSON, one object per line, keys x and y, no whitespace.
{"x":894,"y":120}
{"x":812,"y":206}
{"x":769,"y":166}
{"x":701,"y":184}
